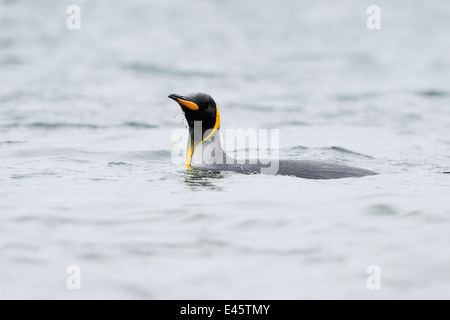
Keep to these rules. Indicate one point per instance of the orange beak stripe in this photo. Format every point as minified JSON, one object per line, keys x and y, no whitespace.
{"x":188,"y":104}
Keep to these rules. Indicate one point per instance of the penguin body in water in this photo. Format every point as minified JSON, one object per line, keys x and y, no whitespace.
{"x":204,"y":149}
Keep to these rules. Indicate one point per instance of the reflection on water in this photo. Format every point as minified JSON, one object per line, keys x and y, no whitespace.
{"x":200,"y":178}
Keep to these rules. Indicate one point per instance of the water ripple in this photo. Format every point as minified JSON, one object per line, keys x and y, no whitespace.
{"x":432,"y":93}
{"x":160,"y":70}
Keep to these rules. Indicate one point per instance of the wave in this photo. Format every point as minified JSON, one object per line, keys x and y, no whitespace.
{"x":335,"y":149}
{"x":347,"y":151}
{"x":139,"y":125}
{"x":155,"y":69}
{"x":12,"y":142}
{"x":432,"y":93}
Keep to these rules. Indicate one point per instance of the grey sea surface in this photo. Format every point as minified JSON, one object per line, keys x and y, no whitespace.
{"x":86,"y":176}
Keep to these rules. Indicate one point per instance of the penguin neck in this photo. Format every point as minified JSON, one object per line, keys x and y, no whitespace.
{"x":200,"y":137}
{"x":204,"y":153}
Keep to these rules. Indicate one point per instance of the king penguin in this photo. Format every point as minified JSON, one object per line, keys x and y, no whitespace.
{"x":204,"y":149}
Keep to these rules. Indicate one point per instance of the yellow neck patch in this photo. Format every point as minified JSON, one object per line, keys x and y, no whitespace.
{"x":190,"y":149}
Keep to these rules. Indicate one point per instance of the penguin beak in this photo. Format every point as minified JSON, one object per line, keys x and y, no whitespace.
{"x":184,"y":102}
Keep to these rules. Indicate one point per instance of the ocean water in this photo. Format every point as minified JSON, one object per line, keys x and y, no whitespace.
{"x":86,"y":176}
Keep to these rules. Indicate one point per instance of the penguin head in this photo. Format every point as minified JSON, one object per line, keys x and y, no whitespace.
{"x":199,"y":107}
